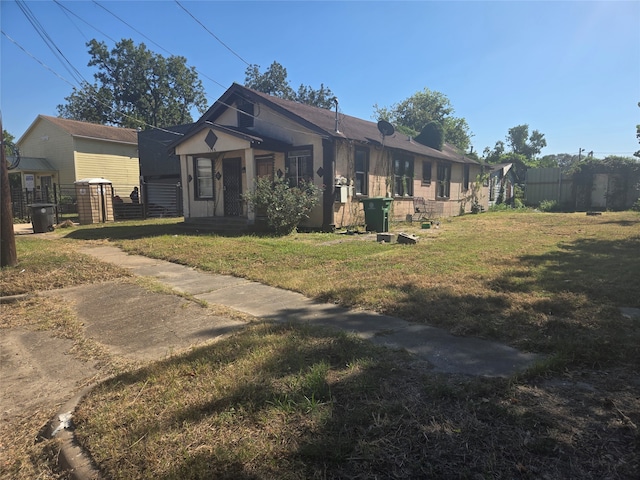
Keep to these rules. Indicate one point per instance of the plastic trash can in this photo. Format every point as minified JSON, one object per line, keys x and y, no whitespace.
{"x":43,"y":217}
{"x":376,"y":213}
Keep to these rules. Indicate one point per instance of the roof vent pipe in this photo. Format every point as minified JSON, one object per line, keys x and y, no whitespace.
{"x":335,"y":100}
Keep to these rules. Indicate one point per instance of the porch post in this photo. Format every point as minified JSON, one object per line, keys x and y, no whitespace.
{"x":250,"y":167}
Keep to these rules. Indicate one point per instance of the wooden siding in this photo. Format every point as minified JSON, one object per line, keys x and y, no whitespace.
{"x":45,"y":140}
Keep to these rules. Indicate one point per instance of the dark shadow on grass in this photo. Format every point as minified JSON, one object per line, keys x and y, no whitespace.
{"x":606,"y":271}
{"x":385,"y":419}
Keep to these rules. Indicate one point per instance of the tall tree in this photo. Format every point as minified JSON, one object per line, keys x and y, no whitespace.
{"x":274,"y":82}
{"x":135,"y":87}
{"x":523,"y":150}
{"x":524,"y":144}
{"x":412,"y":114}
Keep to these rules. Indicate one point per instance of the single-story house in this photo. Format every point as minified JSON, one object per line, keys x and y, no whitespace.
{"x":247,"y":134}
{"x":78,"y":150}
{"x":502,"y":184}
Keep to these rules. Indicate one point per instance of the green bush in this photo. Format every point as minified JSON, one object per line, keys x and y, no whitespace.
{"x":285,"y":206}
{"x":636,"y":206}
{"x":549,"y":206}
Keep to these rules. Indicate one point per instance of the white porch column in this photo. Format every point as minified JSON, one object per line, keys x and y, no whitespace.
{"x":250,"y":166}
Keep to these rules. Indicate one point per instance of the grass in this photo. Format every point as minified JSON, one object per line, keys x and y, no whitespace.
{"x":549,"y":283}
{"x":296,"y":402}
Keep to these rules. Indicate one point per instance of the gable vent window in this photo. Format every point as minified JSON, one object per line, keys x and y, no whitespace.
{"x":245,"y":114}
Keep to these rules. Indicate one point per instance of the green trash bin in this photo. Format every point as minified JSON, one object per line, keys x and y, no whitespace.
{"x":43,"y":217}
{"x":376,"y":213}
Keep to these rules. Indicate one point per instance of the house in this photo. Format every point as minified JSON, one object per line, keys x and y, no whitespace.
{"x":161,"y":187}
{"x":502,"y":184}
{"x":78,"y":150}
{"x":247,"y":134}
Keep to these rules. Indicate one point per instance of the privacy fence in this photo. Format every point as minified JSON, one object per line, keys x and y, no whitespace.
{"x":582,"y":191}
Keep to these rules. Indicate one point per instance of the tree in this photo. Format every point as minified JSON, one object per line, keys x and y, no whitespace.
{"x":412,"y":114}
{"x":8,"y":142}
{"x":274,"y":82}
{"x":524,"y":144}
{"x":523,"y":151}
{"x":136,"y":87}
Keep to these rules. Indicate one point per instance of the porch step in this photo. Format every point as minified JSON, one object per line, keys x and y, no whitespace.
{"x":219,"y":225}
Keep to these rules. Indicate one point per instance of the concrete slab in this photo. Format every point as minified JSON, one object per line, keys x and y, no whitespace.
{"x":447,"y":353}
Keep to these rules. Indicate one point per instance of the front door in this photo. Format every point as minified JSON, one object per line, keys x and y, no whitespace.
{"x":232,"y":186}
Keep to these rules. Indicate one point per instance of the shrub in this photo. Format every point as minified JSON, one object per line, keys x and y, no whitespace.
{"x":548,"y":206}
{"x":285,"y":206}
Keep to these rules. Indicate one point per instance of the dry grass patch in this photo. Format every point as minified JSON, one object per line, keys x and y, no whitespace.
{"x":299,"y":403}
{"x":48,"y":264}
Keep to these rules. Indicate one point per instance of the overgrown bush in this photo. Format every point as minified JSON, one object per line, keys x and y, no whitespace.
{"x":549,"y":206}
{"x":636,"y":206}
{"x":285,"y":206}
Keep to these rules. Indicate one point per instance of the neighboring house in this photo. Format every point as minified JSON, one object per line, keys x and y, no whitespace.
{"x":79,"y":150}
{"x":502,"y":184}
{"x":247,"y":134}
{"x":160,"y":170}
{"x":32,"y":174}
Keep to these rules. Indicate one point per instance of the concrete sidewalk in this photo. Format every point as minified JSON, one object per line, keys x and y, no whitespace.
{"x":447,"y":353}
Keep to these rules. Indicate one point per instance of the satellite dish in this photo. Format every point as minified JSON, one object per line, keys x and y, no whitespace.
{"x":386,"y":129}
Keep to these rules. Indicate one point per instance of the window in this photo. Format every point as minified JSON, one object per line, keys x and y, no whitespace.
{"x":403,"y":175}
{"x":203,"y":168}
{"x":465,"y":178}
{"x":426,"y":172}
{"x":245,"y":114}
{"x":444,"y":180}
{"x":362,"y":171}
{"x":299,"y":166}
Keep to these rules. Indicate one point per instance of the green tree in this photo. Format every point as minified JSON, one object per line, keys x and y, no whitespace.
{"x":8,"y":141}
{"x":274,"y":82}
{"x":412,"y":114}
{"x":136,"y":87}
{"x":524,"y":144}
{"x":523,"y":151}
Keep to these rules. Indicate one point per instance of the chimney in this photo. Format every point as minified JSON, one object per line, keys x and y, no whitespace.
{"x":335,"y":100}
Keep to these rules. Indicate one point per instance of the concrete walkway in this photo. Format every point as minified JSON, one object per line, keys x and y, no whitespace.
{"x":447,"y":353}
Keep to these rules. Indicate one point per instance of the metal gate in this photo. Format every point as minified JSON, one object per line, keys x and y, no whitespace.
{"x":163,"y":199}
{"x":232,"y":184}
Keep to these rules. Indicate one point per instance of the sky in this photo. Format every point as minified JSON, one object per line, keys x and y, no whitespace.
{"x":569,"y":69}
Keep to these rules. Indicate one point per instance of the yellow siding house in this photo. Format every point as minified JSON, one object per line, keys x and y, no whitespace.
{"x":80,"y":150}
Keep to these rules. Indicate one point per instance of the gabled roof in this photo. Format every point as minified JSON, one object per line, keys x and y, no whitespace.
{"x":322,"y":122}
{"x":89,"y":130}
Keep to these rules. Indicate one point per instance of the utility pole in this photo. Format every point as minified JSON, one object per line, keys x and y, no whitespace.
{"x":8,"y":255}
{"x":580,"y":153}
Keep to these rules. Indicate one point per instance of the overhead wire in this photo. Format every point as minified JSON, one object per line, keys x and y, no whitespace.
{"x":211,"y":33}
{"x":82,"y":82}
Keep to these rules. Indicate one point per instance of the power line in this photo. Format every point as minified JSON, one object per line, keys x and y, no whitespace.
{"x":212,"y":34}
{"x":83,"y":20}
{"x":148,"y":38}
{"x":42,"y":32}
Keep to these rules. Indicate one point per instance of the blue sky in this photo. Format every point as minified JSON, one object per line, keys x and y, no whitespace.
{"x":568,"y":69}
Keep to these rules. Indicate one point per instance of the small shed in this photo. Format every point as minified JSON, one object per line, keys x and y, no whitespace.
{"x":95,"y":200}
